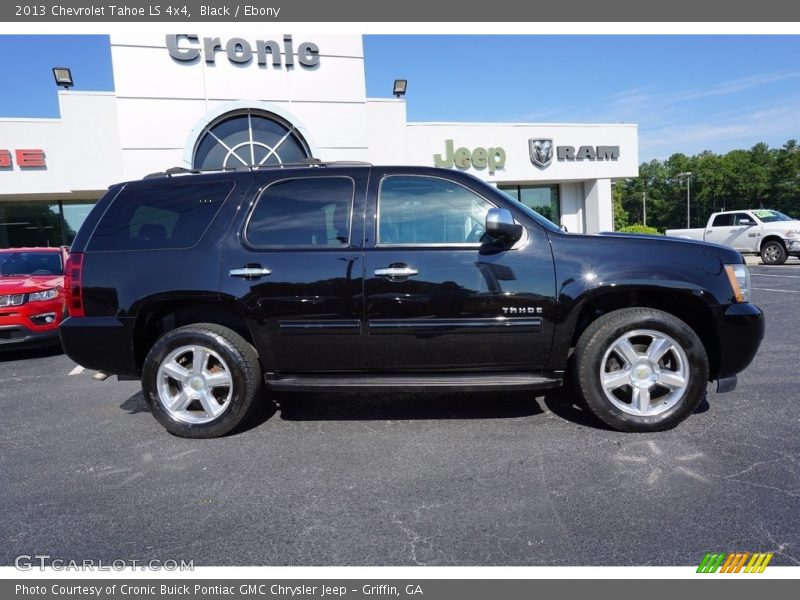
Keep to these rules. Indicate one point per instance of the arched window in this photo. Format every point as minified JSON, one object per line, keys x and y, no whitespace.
{"x":248,"y":137}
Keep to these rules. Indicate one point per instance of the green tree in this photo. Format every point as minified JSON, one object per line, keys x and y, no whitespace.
{"x":758,"y":177}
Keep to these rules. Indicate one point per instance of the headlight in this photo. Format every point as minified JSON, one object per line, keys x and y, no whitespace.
{"x":792,"y":233}
{"x":739,"y":277}
{"x":43,"y":295}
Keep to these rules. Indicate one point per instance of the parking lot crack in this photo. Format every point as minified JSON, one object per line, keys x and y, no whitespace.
{"x":751,"y":467}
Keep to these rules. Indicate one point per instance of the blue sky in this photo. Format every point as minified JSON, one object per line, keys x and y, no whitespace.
{"x":687,"y":93}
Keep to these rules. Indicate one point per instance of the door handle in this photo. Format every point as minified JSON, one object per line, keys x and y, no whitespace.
{"x":399,"y":271}
{"x":710,"y":231}
{"x":250,"y":272}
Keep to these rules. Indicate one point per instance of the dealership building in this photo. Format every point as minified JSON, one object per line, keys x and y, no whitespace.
{"x":200,"y":100}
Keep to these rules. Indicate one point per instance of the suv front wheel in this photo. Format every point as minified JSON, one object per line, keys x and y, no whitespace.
{"x":201,"y":381}
{"x":640,"y":369}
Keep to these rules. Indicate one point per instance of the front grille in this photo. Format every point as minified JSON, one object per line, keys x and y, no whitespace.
{"x":11,"y":300}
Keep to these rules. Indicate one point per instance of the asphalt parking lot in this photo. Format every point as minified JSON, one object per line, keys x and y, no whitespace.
{"x":467,"y":479}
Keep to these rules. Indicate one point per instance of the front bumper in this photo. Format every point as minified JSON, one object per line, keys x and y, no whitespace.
{"x":19,"y":335}
{"x":793,"y":247}
{"x":740,"y":329}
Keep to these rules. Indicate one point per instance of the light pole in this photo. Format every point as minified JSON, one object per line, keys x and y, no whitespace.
{"x":688,"y":176}
{"x":644,"y":202}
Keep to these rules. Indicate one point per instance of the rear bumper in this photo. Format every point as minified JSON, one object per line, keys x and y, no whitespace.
{"x":100,"y":343}
{"x":740,"y":329}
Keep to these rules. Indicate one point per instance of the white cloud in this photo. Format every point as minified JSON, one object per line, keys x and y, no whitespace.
{"x":734,"y":129}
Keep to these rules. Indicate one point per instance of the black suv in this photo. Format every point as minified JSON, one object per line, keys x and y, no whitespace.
{"x":331,"y":276}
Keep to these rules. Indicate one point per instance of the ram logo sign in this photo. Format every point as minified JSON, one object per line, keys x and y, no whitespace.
{"x":541,"y":152}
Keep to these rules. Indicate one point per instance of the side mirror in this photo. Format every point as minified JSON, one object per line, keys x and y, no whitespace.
{"x":500,"y":225}
{"x":746,"y":222}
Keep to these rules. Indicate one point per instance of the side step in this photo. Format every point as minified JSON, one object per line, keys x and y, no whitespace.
{"x":419,"y":382}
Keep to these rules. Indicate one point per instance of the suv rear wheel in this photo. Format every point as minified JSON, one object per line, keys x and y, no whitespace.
{"x":640,"y":369}
{"x":201,"y":380}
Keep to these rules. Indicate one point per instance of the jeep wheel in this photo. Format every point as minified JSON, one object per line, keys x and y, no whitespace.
{"x":640,"y":369}
{"x":201,"y":381}
{"x":773,"y":253}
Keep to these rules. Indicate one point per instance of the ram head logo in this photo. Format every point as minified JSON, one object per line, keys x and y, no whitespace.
{"x":541,"y":152}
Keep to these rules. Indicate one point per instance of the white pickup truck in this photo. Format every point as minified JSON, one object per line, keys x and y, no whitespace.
{"x":773,"y":235}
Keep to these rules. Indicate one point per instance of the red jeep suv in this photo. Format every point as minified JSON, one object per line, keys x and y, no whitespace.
{"x":32,"y":301}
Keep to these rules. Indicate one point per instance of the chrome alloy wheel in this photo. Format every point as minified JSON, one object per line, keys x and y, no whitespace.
{"x":644,"y":372}
{"x":194,"y":384}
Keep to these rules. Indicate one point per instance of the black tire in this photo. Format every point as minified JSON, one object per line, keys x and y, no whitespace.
{"x":241,"y":361}
{"x":773,"y":252}
{"x":598,"y":339}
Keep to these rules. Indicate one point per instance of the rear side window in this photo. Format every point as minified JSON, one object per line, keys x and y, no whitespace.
{"x":170,"y":215}
{"x":303,"y":212}
{"x":723,"y":220}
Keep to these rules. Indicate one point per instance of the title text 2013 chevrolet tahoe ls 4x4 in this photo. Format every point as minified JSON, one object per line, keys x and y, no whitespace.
{"x":211,"y":286}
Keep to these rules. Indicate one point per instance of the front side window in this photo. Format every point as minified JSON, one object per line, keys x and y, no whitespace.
{"x":427,"y":210}
{"x":309,"y":211}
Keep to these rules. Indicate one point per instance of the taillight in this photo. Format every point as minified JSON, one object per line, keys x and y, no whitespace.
{"x":72,"y":284}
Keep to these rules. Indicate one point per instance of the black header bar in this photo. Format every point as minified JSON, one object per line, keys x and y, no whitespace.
{"x":362,"y":11}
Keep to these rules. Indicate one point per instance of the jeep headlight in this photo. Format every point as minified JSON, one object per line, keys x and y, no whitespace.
{"x":43,"y":295}
{"x":792,"y":233}
{"x":739,"y":277}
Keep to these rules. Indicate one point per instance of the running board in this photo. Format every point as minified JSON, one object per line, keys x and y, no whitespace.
{"x":414,"y":383}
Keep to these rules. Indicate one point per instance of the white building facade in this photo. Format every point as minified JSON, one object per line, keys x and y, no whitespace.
{"x":200,"y":100}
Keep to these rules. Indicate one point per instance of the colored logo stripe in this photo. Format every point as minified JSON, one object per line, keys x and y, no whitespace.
{"x":758,"y":563}
{"x":734,"y":561}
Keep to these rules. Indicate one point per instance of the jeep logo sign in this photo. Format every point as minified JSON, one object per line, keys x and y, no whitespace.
{"x":187,"y":47}
{"x":464,"y":158}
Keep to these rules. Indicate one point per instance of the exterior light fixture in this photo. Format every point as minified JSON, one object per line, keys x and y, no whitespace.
{"x":400,"y":87}
{"x":63,"y":77}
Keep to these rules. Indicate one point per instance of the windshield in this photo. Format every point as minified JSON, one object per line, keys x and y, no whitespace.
{"x":547,"y":223}
{"x":771,"y":216}
{"x":30,"y":263}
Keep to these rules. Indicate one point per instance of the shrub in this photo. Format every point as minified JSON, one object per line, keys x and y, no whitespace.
{"x":639,"y":228}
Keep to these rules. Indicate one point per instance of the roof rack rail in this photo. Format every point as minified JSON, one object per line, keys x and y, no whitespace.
{"x":307,"y":162}
{"x":312,"y":162}
{"x":184,"y":171}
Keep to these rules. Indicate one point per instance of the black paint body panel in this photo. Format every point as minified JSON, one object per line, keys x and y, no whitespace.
{"x":481,"y":309}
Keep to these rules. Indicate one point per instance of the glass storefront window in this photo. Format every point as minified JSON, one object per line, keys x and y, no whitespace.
{"x":40,"y":224}
{"x":544,"y":199}
{"x":29,"y":224}
{"x":74,"y":216}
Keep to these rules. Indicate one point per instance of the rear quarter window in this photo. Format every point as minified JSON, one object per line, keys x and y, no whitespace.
{"x":168,"y":215}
